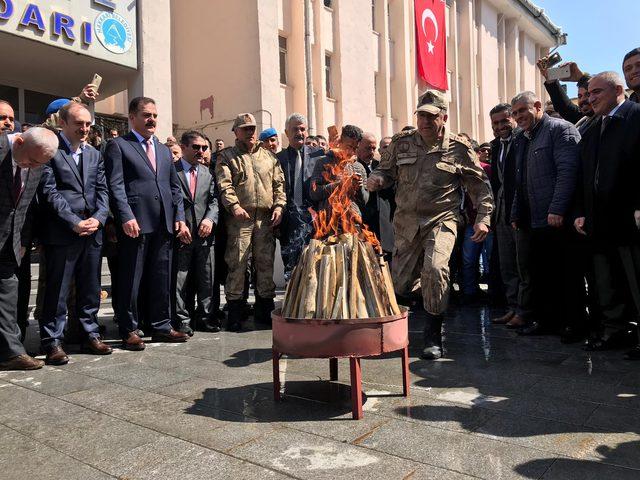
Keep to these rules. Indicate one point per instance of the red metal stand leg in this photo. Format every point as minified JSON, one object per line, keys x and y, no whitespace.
{"x":333,"y":369}
{"x":356,"y":388}
{"x":276,"y":376}
{"x":405,"y":371}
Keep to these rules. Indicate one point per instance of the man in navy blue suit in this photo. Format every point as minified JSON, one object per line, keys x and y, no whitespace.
{"x":147,"y":204}
{"x":75,"y":203}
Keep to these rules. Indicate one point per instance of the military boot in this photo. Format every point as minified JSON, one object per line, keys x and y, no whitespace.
{"x":432,"y":337}
{"x":263,"y":309}
{"x":235,"y":315}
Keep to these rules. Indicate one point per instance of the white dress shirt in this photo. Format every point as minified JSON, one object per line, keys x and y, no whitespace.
{"x":76,"y":155}
{"x":23,"y":172}
{"x":186,"y":166}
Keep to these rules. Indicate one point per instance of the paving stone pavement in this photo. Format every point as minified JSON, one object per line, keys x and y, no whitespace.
{"x":496,"y":407}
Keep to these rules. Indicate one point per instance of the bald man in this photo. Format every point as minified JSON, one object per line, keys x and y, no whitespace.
{"x":21,"y":160}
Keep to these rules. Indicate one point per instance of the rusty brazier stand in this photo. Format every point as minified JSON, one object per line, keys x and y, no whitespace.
{"x":346,"y":338}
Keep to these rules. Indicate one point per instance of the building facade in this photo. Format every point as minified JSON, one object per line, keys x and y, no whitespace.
{"x":204,"y":61}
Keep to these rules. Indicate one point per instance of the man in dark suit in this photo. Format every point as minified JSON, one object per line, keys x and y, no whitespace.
{"x":74,"y":208}
{"x":513,"y":267}
{"x":608,"y":208}
{"x":21,"y":160}
{"x":377,"y":214}
{"x":547,"y":156}
{"x":147,"y":204}
{"x":298,"y":162}
{"x":194,"y":254}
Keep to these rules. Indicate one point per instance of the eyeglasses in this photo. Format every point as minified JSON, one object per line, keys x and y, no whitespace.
{"x":5,"y":117}
{"x":197,"y":148}
{"x":485,"y":150}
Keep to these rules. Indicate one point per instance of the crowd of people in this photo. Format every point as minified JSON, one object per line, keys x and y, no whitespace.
{"x":546,"y":212}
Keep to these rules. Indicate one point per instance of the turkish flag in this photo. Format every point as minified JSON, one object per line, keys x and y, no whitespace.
{"x":431,"y":42}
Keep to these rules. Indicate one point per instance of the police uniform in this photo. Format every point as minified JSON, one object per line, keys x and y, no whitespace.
{"x":253,"y":180}
{"x":429,"y":180}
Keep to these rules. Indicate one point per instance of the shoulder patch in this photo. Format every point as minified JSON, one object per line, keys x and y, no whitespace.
{"x":459,"y":139}
{"x":402,"y":134}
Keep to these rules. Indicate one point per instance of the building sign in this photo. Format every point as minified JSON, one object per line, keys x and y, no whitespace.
{"x":102,"y":29}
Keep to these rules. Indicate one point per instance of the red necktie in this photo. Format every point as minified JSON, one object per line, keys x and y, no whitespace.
{"x":17,"y":185}
{"x":151,"y":155}
{"x":193,"y":181}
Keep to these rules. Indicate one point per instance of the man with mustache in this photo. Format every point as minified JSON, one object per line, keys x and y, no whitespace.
{"x":298,"y":162}
{"x":428,"y":167}
{"x":147,"y":204}
{"x":193,"y":255}
{"x":251,"y":186}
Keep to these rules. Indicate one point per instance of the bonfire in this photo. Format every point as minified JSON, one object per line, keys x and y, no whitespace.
{"x":341,"y":273}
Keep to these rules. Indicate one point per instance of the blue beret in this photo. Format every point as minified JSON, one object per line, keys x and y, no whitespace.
{"x":56,"y":105}
{"x":269,"y":132}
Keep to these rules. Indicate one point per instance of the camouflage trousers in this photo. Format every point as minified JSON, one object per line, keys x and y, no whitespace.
{"x":423,"y":263}
{"x":250,"y":239}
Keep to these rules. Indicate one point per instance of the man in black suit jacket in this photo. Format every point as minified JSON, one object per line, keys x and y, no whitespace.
{"x":513,"y":266}
{"x":377,"y":213}
{"x":147,"y":204}
{"x":298,"y":162}
{"x":75,"y":204}
{"x":608,"y":206}
{"x":194,"y":255}
{"x":21,"y":160}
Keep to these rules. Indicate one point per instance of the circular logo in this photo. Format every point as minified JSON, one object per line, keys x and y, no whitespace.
{"x":114,"y":32}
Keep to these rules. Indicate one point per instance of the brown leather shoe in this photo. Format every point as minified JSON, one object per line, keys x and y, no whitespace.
{"x":21,"y":362}
{"x":169,"y":337}
{"x":133,"y":342}
{"x":97,"y":347}
{"x":56,"y":356}
{"x":504,"y":318}
{"x":516,"y":322}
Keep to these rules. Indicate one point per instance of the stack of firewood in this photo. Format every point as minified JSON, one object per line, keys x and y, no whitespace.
{"x":340,"y":277}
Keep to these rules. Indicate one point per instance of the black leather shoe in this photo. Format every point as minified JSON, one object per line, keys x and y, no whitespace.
{"x":633,"y":354}
{"x":204,"y":325}
{"x":185,"y":328}
{"x":534,"y":328}
{"x":571,"y":335}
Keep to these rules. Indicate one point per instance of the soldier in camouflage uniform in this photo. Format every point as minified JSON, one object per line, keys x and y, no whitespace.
{"x":428,"y":167}
{"x":251,"y":186}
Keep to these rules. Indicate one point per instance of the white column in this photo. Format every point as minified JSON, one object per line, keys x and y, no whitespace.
{"x":154,"y":59}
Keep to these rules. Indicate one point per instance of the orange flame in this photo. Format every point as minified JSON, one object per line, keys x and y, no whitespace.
{"x":340,"y":217}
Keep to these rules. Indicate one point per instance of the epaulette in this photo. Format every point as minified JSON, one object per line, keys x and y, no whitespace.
{"x":401,"y":134}
{"x":457,"y":138}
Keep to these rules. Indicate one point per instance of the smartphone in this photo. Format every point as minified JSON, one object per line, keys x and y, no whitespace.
{"x":96,"y":80}
{"x":562,"y":72}
{"x":553,"y":59}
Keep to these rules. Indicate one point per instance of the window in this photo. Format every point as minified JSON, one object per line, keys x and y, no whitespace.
{"x":282,"y":44}
{"x":327,"y":76}
{"x":373,"y":15}
{"x":327,"y":3}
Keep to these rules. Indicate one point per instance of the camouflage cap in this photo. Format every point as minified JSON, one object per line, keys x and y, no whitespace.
{"x":244,"y":120}
{"x":433,"y":102}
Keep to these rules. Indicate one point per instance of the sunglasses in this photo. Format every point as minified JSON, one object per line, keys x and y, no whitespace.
{"x":5,"y":117}
{"x":197,"y":148}
{"x":485,"y":150}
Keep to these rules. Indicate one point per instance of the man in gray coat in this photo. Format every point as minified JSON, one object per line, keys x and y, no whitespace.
{"x":194,"y":254}
{"x":21,"y":160}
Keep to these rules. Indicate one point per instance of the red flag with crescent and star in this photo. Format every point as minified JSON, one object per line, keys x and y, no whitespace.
{"x":431,"y":42}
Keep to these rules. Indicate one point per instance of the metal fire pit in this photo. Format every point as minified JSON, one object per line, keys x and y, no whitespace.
{"x":347,"y":338}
